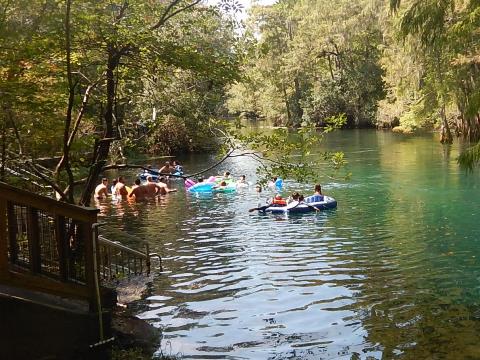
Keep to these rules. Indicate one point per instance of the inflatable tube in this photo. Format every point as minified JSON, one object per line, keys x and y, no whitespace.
{"x":202,"y":187}
{"x":295,"y":208}
{"x":189,"y":183}
{"x":143,"y":176}
{"x":225,"y":189}
{"x":279,"y":183}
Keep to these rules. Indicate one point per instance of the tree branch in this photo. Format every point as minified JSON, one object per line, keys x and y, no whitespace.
{"x":121,"y":13}
{"x":167,"y":15}
{"x":86,"y":96}
{"x":47,"y":180}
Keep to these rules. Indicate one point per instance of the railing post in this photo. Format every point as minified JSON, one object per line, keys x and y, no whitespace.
{"x":62,"y":247}
{"x":12,"y":232}
{"x":87,"y":236}
{"x":147,"y":261}
{"x":33,"y":235}
{"x":3,"y":236}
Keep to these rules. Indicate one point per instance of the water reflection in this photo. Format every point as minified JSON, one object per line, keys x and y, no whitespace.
{"x":393,"y":272}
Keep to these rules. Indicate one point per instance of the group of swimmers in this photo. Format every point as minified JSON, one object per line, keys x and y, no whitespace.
{"x":138,"y":191}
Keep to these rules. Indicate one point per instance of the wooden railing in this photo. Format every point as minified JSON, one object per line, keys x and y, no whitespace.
{"x":46,"y":245}
{"x":54,"y":247}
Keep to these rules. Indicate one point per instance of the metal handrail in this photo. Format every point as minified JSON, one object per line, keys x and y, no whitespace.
{"x":105,"y":241}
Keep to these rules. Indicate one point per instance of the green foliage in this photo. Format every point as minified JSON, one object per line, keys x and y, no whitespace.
{"x":438,"y":42}
{"x":307,"y":63}
{"x":134,"y":59}
{"x":138,"y":354}
{"x":284,"y":152}
{"x":470,"y":158}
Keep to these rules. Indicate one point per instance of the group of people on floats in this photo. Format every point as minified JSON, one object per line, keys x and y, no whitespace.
{"x":295,"y":198}
{"x":158,"y":186}
{"x":173,"y":167}
{"x":221,"y":181}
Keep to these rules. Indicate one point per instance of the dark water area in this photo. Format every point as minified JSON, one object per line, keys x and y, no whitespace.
{"x":393,"y":272}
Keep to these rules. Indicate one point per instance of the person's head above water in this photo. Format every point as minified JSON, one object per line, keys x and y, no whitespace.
{"x":138,"y":182}
{"x":318,"y":188}
{"x":295,"y":196}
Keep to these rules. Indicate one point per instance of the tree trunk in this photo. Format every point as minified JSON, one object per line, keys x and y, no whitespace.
{"x":446,"y":136}
{"x":297,"y":109}
{"x":287,"y":106}
{"x":103,"y":146}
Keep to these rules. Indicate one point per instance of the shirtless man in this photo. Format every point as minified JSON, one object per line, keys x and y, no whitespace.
{"x":167,"y":168}
{"x":120,"y":189}
{"x":139,"y":191}
{"x":163,"y":188}
{"x":101,"y":189}
{"x":151,"y":187}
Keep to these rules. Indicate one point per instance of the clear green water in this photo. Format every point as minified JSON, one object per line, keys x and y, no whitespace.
{"x":394,"y":272}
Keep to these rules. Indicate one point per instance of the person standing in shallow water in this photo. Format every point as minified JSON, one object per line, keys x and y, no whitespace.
{"x":120,"y":189}
{"x":139,"y":191}
{"x":101,"y":189}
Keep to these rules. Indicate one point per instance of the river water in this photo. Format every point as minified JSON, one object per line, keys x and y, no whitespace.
{"x":392,"y":273}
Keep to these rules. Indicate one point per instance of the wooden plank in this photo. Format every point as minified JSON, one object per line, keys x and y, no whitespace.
{"x":16,"y":277}
{"x":49,"y":205}
{"x":33,"y":236}
{"x":62,"y":247}
{"x":3,"y":236}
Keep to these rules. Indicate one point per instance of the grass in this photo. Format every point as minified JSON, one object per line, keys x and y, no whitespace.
{"x":137,"y":354}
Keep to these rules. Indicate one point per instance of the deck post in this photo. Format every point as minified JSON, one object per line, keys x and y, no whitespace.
{"x":87,"y":236}
{"x":3,"y":236}
{"x":12,"y":232}
{"x":33,"y":236}
{"x":62,"y":247}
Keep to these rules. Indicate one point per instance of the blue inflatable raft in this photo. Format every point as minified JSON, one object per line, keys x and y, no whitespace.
{"x":143,"y":176}
{"x":304,"y":207}
{"x":205,"y":187}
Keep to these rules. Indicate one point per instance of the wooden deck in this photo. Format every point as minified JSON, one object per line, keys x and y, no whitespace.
{"x":54,"y":247}
{"x":52,"y":261}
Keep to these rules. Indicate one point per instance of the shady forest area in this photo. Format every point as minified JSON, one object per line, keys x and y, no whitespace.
{"x":87,"y":83}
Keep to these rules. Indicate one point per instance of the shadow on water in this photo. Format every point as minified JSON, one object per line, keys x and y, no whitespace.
{"x":392,"y":273}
